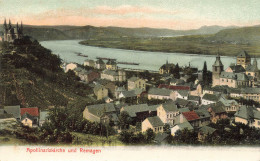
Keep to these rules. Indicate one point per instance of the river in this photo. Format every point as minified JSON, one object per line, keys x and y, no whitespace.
{"x":68,"y":49}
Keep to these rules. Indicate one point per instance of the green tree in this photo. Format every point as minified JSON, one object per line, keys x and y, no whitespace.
{"x":124,"y":120}
{"x":176,"y":71}
{"x":150,"y":135}
{"x":166,"y":129}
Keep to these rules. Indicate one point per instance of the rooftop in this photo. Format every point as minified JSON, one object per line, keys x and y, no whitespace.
{"x":190,"y":116}
{"x":155,"y":121}
{"x":32,"y":111}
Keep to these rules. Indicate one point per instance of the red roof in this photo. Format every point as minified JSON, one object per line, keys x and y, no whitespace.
{"x":32,"y":111}
{"x":175,"y":88}
{"x":192,"y":115}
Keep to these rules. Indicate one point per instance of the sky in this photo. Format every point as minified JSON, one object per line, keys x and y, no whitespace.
{"x":171,"y":14}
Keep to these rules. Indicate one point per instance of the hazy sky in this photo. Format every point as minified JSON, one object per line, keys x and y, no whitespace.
{"x":173,"y":14}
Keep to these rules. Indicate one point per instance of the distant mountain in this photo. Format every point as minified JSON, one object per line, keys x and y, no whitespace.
{"x":90,"y":32}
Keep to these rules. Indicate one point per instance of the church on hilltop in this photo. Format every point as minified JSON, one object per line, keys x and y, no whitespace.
{"x":241,"y":74}
{"x":12,"y":33}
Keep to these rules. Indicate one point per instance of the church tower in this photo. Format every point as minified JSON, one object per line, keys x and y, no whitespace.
{"x":217,"y":68}
{"x":243,"y":59}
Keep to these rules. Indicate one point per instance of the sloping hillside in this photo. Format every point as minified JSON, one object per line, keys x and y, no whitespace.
{"x":32,"y":77}
{"x":245,"y":35}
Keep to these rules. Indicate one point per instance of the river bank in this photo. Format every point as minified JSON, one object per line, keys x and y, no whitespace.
{"x":201,"y":45}
{"x":66,"y":49}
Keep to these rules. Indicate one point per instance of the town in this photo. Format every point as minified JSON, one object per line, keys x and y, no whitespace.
{"x":179,"y":104}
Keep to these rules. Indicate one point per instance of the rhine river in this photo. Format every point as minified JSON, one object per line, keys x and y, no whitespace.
{"x":68,"y":49}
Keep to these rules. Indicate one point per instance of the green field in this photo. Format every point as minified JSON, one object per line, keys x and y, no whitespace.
{"x":186,"y":44}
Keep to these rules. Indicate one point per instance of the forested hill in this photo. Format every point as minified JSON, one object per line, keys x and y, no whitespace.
{"x":91,"y":32}
{"x":31,"y":76}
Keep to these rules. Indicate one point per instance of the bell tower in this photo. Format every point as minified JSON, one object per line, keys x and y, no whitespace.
{"x":217,"y":68}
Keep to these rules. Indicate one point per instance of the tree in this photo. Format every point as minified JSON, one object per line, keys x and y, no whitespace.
{"x":205,"y":67}
{"x":205,"y":74}
{"x":150,"y":135}
{"x":176,"y":71}
{"x":166,"y":129}
{"x":124,"y":120}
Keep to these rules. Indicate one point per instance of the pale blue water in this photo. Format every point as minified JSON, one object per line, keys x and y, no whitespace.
{"x":67,"y":50}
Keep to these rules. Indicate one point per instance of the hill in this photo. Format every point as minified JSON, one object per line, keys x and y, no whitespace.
{"x":245,"y":35}
{"x":42,"y":33}
{"x":228,"y":42}
{"x":31,"y":76}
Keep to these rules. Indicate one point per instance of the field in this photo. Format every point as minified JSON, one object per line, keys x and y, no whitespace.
{"x":200,"y":44}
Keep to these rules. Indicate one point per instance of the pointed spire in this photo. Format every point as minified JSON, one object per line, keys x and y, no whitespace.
{"x":10,"y":25}
{"x":5,"y":25}
{"x":21,"y":29}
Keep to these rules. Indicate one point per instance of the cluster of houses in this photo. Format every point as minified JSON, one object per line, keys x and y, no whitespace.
{"x":182,"y":102}
{"x":188,"y":105}
{"x":31,"y":117}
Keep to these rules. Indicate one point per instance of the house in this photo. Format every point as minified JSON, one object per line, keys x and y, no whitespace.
{"x":205,"y":131}
{"x":231,"y":105}
{"x":114,"y":75}
{"x":180,"y":127}
{"x":130,"y":96}
{"x":14,"y":110}
{"x":192,"y":117}
{"x":99,"y":64}
{"x":209,"y":99}
{"x":166,"y":68}
{"x":118,"y":91}
{"x":140,"y":112}
{"x":251,"y":94}
{"x":103,"y":113}
{"x":182,"y":103}
{"x":135,"y":82}
{"x":176,"y":82}
{"x":89,"y":63}
{"x":70,"y":66}
{"x":196,"y":90}
{"x":111,"y":64}
{"x":30,"y":116}
{"x":160,"y":93}
{"x":167,"y":112}
{"x":175,"y":87}
{"x":182,"y":94}
{"x":88,"y":76}
{"x":217,"y":112}
{"x":248,"y":115}
{"x":204,"y":116}
{"x":100,"y":91}
{"x":43,"y":117}
{"x":108,"y":85}
{"x":154,"y":123}
{"x":195,"y":99}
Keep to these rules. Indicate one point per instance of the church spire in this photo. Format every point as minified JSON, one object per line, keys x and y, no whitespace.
{"x":21,"y":27}
{"x":5,"y":25}
{"x":10,"y":25}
